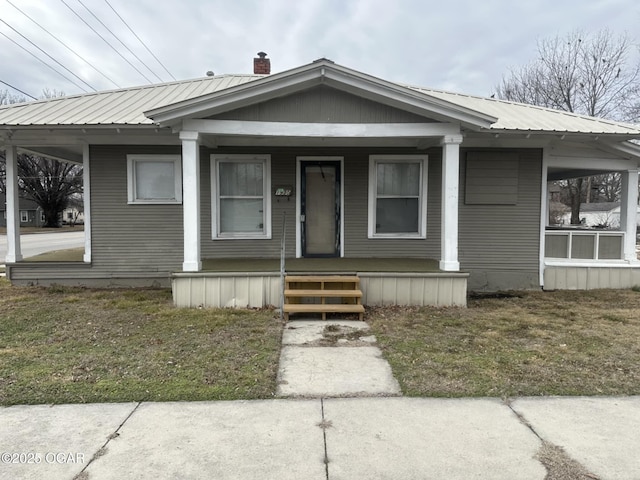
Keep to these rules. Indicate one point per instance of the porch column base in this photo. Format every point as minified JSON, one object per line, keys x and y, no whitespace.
{"x":192,"y":266}
{"x":449,"y":266}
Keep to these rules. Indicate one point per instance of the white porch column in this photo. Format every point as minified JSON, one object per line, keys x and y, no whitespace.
{"x":191,"y":200}
{"x":86,"y":198}
{"x":628,"y":209}
{"x":13,"y":206}
{"x":449,"y":216}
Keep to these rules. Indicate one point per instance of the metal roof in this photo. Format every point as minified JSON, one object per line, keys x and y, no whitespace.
{"x":532,"y":118}
{"x":115,"y":107}
{"x":125,"y":107}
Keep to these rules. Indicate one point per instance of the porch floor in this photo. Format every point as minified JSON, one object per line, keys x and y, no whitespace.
{"x":322,"y":265}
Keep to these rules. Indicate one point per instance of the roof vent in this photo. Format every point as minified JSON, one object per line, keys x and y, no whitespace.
{"x":261,"y":65}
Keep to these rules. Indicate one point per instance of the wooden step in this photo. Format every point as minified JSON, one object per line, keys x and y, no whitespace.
{"x":323,"y":308}
{"x":323,"y":293}
{"x":322,"y":278}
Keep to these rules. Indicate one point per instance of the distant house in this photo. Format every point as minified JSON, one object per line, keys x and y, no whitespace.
{"x":206,"y":184}
{"x":600,"y":215}
{"x":72,"y":216}
{"x":30,"y":214}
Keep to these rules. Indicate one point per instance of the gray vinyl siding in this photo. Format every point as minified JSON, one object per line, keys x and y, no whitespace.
{"x":355,"y":184}
{"x":134,"y":238}
{"x":491,"y":178}
{"x":322,"y":105}
{"x":357,"y":243}
{"x":499,"y":244}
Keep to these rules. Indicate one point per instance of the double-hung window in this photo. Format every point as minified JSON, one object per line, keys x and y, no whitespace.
{"x":154,"y":179}
{"x":240,"y":196}
{"x":397,"y":196}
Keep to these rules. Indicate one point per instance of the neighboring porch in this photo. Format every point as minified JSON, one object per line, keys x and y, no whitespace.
{"x":575,"y":257}
{"x":242,"y":282}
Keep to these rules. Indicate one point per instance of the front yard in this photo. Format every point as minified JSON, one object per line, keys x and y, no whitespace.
{"x":533,"y":343}
{"x":72,"y":345}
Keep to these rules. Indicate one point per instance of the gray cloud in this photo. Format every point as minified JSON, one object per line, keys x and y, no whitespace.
{"x":462,"y":46}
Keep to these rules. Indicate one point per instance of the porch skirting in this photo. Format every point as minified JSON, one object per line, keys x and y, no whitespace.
{"x":590,"y":277}
{"x":260,"y":289}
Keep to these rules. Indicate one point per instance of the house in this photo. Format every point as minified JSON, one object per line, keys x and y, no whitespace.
{"x":600,"y":215}
{"x":72,"y":216}
{"x":207,"y":184}
{"x":29,"y":213}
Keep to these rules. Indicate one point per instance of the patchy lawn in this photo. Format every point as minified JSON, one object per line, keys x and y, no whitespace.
{"x":73,"y":345}
{"x":535,"y":343}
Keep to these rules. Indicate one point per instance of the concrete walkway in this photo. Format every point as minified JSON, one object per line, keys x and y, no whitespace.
{"x":332,"y":359}
{"x":319,"y":439}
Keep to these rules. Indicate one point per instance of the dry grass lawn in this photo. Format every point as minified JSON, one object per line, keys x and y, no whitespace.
{"x":73,"y":345}
{"x":534,"y":343}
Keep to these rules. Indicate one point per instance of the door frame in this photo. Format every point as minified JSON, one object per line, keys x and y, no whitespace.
{"x":316,"y":158}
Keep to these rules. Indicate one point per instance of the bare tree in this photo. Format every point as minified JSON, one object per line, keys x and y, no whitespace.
{"x":7,"y":98}
{"x":50,"y":184}
{"x":581,"y":73}
{"x":588,"y":74}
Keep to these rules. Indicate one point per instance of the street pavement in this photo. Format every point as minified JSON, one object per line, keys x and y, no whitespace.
{"x":345,"y":432}
{"x":37,"y":243}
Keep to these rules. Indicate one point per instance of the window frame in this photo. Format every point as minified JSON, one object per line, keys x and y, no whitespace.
{"x":374,"y":160}
{"x":216,"y":159}
{"x":24,"y":216}
{"x":131,"y":179}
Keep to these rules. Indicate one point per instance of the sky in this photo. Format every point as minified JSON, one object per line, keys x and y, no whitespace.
{"x":461,"y":46}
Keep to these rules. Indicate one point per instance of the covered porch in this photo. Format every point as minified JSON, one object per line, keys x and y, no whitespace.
{"x":582,"y":257}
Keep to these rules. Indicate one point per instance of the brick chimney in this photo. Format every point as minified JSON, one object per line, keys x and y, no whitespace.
{"x":261,"y":65}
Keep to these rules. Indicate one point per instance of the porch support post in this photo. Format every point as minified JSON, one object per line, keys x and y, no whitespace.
{"x":86,"y":199}
{"x":13,"y":206}
{"x":628,"y":213}
{"x":449,"y":213}
{"x":191,"y":200}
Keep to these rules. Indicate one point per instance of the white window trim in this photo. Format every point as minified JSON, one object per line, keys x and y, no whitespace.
{"x":24,"y":216}
{"x":215,"y":199}
{"x":422,"y":204}
{"x":131,"y":179}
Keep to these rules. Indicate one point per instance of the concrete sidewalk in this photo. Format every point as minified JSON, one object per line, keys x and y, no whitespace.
{"x":339,"y":438}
